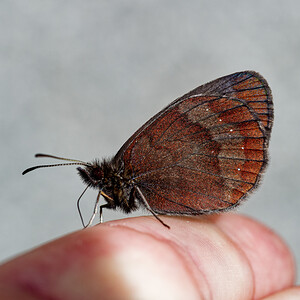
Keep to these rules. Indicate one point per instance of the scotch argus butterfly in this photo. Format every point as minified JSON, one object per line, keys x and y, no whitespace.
{"x":202,"y":154}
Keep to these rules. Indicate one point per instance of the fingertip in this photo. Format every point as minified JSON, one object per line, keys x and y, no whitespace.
{"x":227,"y":256}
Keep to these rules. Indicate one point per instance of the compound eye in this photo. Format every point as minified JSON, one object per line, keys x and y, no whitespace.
{"x":97,"y":174}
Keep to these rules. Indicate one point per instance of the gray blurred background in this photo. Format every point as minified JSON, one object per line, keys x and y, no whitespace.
{"x":79,"y":77}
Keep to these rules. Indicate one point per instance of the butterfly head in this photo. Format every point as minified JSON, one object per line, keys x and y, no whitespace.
{"x":92,"y":174}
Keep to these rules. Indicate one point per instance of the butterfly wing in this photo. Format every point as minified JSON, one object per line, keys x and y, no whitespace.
{"x":204,"y":152}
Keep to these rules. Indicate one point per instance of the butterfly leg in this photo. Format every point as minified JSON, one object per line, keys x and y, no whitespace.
{"x":149,"y":208}
{"x":109,"y":205}
{"x":94,"y":211}
{"x":101,"y":208}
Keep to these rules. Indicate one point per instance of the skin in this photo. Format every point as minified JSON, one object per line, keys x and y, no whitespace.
{"x":227,"y":256}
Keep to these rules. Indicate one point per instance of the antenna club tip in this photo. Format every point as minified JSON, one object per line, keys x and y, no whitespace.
{"x":28,"y":170}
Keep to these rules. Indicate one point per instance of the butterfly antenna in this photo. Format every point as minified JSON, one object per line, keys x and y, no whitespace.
{"x":73,"y":162}
{"x":57,"y":157}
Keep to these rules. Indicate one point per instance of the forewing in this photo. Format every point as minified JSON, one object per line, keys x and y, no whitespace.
{"x":249,"y":86}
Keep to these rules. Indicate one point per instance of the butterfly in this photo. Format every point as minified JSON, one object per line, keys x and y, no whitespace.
{"x":203,"y":153}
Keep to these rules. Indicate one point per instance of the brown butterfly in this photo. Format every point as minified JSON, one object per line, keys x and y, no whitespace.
{"x":203,"y":153}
